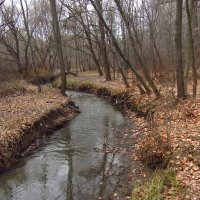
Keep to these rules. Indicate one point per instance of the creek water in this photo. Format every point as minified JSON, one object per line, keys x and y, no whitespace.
{"x":71,"y":166}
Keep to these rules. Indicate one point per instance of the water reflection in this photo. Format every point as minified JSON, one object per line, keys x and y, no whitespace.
{"x":68,"y":167}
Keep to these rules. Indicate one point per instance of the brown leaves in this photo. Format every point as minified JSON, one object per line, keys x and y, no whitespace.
{"x":183,"y":129}
{"x":18,"y":113}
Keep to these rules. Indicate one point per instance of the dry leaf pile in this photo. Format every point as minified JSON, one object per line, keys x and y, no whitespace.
{"x":180,"y":126}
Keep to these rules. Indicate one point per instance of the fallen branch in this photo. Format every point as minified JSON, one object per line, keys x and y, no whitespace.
{"x":69,"y":72}
{"x":120,"y":102}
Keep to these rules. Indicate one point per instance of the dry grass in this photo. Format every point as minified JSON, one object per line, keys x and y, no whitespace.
{"x":22,"y":106}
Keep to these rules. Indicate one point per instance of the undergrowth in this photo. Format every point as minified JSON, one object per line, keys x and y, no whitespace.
{"x":15,"y":87}
{"x":41,"y":73}
{"x":163,"y":185}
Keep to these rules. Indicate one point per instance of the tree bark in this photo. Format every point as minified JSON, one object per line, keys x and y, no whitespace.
{"x":191,"y":49}
{"x":57,"y":37}
{"x":179,"y":55}
{"x":103,"y":43}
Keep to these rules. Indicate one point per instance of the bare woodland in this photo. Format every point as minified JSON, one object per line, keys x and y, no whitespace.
{"x":144,"y":42}
{"x":144,"y":55}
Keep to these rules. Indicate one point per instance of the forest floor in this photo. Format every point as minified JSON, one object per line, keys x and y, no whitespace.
{"x":170,"y":128}
{"x":26,"y":115}
{"x":172,"y":132}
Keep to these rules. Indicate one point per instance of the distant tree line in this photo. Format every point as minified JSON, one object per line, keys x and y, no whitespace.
{"x":145,"y":41}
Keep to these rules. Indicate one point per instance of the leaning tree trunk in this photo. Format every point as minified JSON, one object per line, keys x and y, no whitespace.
{"x":118,"y":49}
{"x":133,"y":45}
{"x":57,"y":38}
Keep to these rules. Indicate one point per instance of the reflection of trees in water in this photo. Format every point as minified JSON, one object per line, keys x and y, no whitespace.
{"x":19,"y":177}
{"x":45,"y":173}
{"x":106,"y":165}
{"x":70,"y":176}
{"x":106,"y":170}
{"x":69,"y":158}
{"x":100,"y":172}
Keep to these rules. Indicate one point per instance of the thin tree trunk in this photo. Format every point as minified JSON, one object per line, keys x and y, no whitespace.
{"x":178,"y":43}
{"x":191,"y":49}
{"x":103,"y":44}
{"x":117,"y":47}
{"x":57,"y":38}
{"x":187,"y":64}
{"x":76,"y":55}
{"x":93,"y":53}
{"x":121,"y":70}
{"x":140,"y":59}
{"x":88,"y":37}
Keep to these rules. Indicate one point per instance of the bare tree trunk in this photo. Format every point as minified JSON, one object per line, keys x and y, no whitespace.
{"x":88,"y":37}
{"x":195,"y":28}
{"x":103,"y":44}
{"x":93,"y":53}
{"x":76,"y":55}
{"x":120,"y":69}
{"x":118,"y":49}
{"x":133,"y":44}
{"x":20,"y":69}
{"x":191,"y":49}
{"x":57,"y":38}
{"x":178,"y":43}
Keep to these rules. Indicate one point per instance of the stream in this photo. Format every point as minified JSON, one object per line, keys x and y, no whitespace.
{"x":72,"y":165}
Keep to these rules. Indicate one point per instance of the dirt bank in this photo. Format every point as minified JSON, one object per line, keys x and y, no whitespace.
{"x":27,"y":116}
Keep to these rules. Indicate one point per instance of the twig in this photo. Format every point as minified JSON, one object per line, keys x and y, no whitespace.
{"x":117,"y":103}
